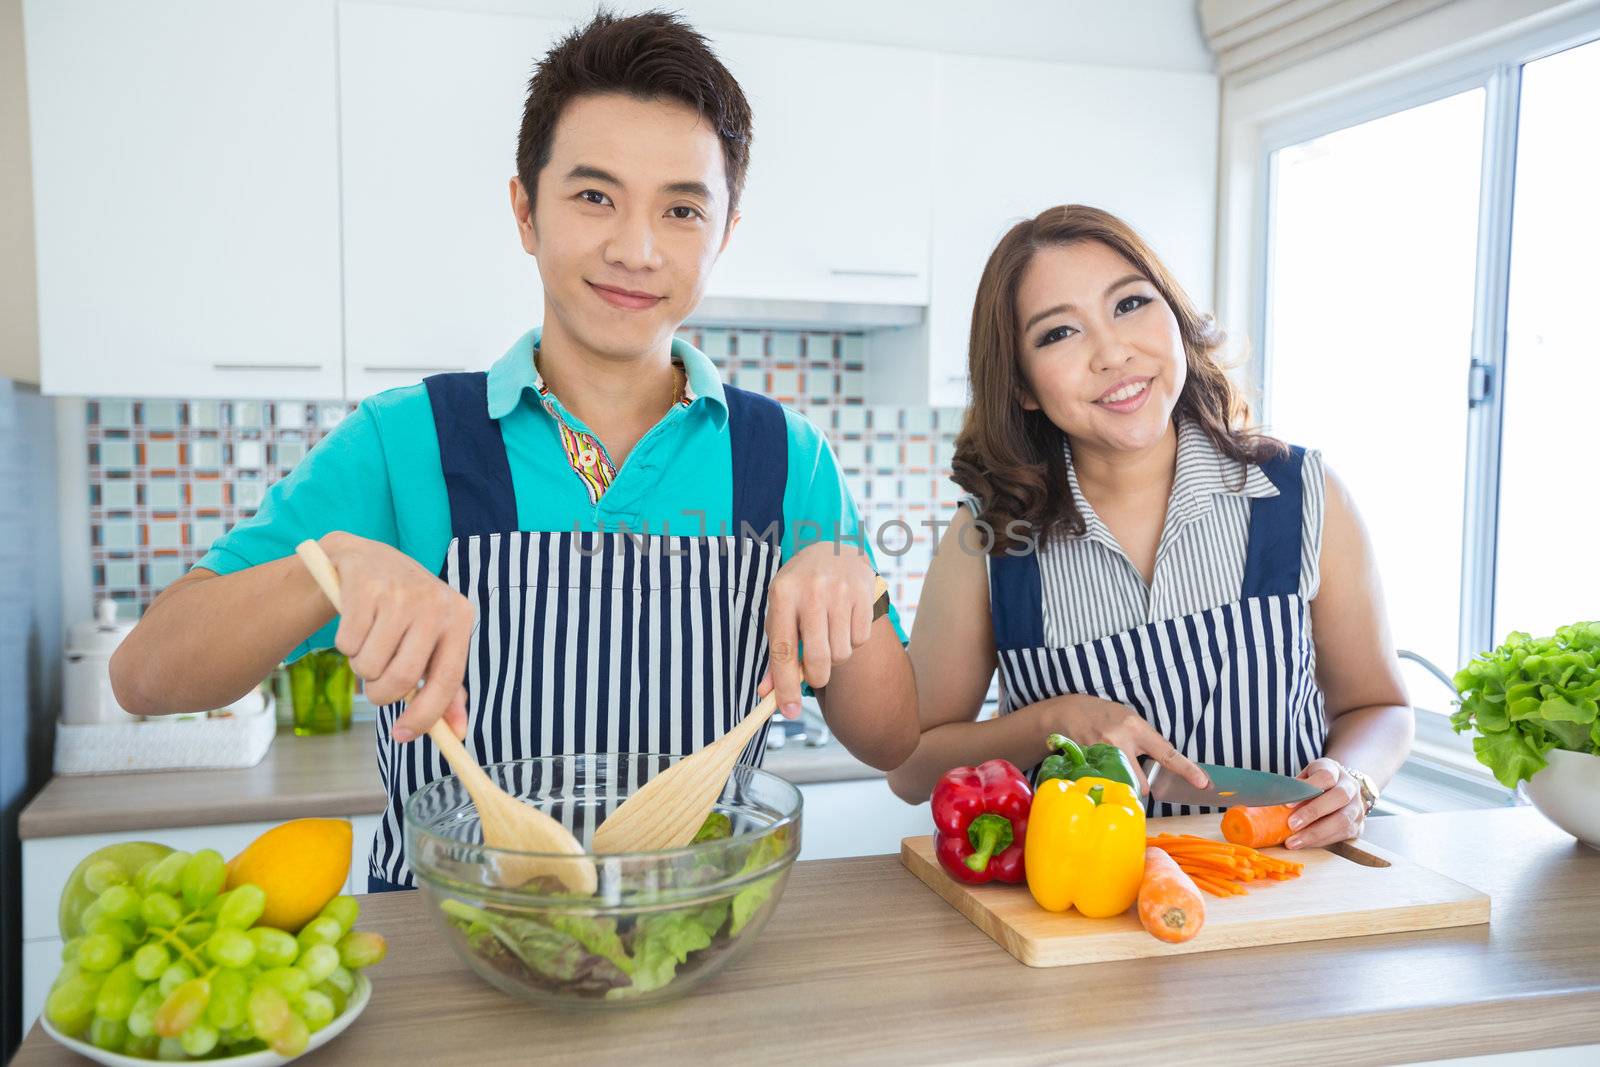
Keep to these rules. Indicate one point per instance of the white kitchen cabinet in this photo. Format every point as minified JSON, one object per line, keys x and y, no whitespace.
{"x":838,"y":203}
{"x":362,"y":827}
{"x":857,"y":818}
{"x":186,"y":196}
{"x":1015,"y":137}
{"x":430,"y":105}
{"x":836,"y":206}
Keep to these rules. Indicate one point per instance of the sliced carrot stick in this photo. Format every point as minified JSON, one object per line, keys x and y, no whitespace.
{"x":1257,"y":827}
{"x":1170,"y":905}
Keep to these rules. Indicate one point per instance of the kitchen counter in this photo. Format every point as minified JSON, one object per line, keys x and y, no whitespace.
{"x":300,"y":777}
{"x":862,"y":963}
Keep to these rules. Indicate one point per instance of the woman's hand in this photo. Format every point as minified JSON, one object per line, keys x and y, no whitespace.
{"x":819,"y":607}
{"x":1339,"y":814}
{"x":1089,"y":720}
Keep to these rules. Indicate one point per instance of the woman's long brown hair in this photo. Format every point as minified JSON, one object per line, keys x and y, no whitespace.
{"x":1012,"y":459}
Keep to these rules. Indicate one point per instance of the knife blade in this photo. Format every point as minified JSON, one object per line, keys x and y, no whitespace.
{"x":1230,"y":787}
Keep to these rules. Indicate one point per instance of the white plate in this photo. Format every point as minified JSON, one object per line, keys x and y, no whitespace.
{"x":264,"y":1058}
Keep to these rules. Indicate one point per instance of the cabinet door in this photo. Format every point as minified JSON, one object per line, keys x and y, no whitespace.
{"x":185,"y":182}
{"x":838,"y":202}
{"x":857,"y":818}
{"x":1016,"y":137}
{"x":430,"y":103}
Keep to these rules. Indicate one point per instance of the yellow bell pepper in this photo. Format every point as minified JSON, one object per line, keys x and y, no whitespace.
{"x":1085,"y":846}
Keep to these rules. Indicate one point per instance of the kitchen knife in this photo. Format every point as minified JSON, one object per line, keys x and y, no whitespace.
{"x":1230,"y":787}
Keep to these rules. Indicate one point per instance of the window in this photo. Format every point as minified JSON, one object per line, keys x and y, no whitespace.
{"x":1546,"y":571}
{"x":1369,"y":337}
{"x":1430,"y":324}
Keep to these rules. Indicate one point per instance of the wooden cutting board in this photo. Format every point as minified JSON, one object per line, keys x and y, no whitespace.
{"x":1352,"y":890}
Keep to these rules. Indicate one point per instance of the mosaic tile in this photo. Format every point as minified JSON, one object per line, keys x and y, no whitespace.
{"x":122,"y":574}
{"x":224,"y":454}
{"x":116,"y":454}
{"x":164,"y":534}
{"x":289,"y":416}
{"x":163,"y":572}
{"x":161,"y":454}
{"x":784,"y":346}
{"x":115,"y":413}
{"x":852,"y":420}
{"x":205,"y":531}
{"x":159,"y":414}
{"x":785,"y":386}
{"x":117,"y":534}
{"x":247,"y":492}
{"x":820,"y":348}
{"x":714,"y":343}
{"x":206,"y":493}
{"x":206,"y":455}
{"x":286,"y":454}
{"x":750,"y":344}
{"x":163,"y":493}
{"x":118,"y":493}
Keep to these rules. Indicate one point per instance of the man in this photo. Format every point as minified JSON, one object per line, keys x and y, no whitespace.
{"x":543,"y":544}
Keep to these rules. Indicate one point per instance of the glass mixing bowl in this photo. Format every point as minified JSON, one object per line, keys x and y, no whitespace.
{"x":659,"y":924}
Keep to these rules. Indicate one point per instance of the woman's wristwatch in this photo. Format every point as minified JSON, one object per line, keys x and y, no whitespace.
{"x":1369,"y":788}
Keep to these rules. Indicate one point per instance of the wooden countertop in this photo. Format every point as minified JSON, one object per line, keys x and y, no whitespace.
{"x":300,"y":777}
{"x":862,"y":963}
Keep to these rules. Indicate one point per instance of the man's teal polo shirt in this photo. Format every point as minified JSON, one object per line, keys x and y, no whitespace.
{"x":377,"y":475}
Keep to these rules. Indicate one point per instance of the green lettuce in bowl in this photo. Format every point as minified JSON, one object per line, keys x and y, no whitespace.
{"x":1529,"y":696}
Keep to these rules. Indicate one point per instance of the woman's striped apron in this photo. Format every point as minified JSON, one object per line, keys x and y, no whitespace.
{"x":592,"y":642}
{"x":1234,"y":684}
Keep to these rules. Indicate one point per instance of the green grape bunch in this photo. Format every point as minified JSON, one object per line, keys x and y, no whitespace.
{"x":162,"y":963}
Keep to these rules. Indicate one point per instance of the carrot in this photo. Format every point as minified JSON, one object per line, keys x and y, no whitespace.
{"x":1170,"y":905}
{"x":1257,"y":827}
{"x":1218,"y":867}
{"x":1214,"y":887}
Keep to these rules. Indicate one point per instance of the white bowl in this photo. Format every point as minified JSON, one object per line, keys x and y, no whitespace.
{"x":1568,"y":794}
{"x":265,"y":1058}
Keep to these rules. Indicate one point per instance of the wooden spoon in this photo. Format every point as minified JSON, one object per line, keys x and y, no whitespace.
{"x":671,"y":807}
{"x":508,"y":823}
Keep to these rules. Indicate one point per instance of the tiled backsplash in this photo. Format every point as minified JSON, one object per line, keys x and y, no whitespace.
{"x":167,"y":477}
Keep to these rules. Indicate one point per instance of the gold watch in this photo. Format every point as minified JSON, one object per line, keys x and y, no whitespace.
{"x":1369,"y":788}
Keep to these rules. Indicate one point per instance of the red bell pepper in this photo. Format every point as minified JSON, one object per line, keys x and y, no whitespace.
{"x":981,"y":818}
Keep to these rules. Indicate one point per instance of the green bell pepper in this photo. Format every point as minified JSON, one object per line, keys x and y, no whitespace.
{"x":1071,"y":762}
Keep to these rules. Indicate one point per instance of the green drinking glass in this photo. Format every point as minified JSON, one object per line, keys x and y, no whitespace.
{"x":322,"y":687}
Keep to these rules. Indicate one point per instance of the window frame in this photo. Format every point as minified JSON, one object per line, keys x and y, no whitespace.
{"x":1497,"y":68}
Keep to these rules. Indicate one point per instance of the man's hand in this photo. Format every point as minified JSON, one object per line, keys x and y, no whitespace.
{"x":819,"y":602}
{"x":400,"y":625}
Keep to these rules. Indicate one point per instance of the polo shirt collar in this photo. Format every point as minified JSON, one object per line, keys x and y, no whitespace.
{"x":514,"y":373}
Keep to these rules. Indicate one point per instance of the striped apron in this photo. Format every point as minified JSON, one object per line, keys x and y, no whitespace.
{"x":1234,"y":684}
{"x":592,"y":642}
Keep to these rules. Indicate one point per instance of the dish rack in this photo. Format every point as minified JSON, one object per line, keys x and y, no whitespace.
{"x":237,"y":736}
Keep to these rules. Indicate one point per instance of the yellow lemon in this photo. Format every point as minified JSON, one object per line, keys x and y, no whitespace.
{"x":301,"y":865}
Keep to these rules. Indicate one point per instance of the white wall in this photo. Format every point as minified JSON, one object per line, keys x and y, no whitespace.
{"x":1152,"y":34}
{"x":19,"y":312}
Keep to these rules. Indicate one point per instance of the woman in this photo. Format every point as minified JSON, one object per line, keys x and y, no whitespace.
{"x":1143,"y":569}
